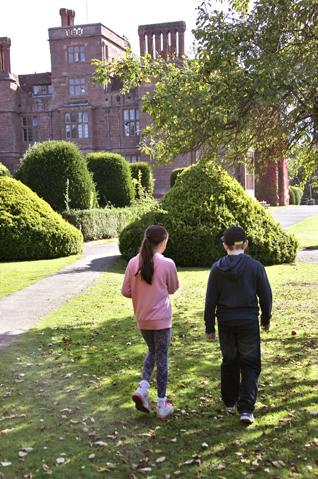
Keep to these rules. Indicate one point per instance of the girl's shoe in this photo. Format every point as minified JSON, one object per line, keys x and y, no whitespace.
{"x":164,"y":410}
{"x":141,"y":400}
{"x":247,"y":418}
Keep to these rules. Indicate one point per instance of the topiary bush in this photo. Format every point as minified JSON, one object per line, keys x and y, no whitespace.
{"x":143,"y":171}
{"x":58,"y":173}
{"x":4,"y":170}
{"x":292,"y":196}
{"x":29,"y":228}
{"x":174,"y":174}
{"x":203,"y":203}
{"x":113,"y":178}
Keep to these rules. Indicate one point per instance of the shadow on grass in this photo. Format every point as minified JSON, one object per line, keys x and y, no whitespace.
{"x":70,"y":388}
{"x":66,"y":387}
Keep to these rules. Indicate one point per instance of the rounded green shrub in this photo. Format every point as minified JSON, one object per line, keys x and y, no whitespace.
{"x":142,"y":171}
{"x":174,"y":174}
{"x":29,"y":228}
{"x":203,"y":203}
{"x":4,"y":170}
{"x":58,"y":173}
{"x":112,"y":176}
{"x":292,"y":196}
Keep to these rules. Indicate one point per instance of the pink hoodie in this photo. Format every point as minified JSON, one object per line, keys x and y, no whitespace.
{"x":151,"y":302}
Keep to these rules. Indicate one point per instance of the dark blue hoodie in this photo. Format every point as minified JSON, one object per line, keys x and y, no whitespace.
{"x":237,"y":286}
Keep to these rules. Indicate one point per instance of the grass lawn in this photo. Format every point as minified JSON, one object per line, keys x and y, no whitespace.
{"x":306,"y":232}
{"x":17,"y":275}
{"x":66,"y":386}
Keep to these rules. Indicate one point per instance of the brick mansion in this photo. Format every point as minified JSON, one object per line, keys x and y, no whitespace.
{"x":65,"y":105}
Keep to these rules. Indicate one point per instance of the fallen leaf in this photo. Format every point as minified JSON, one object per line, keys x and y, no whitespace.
{"x":160,"y":459}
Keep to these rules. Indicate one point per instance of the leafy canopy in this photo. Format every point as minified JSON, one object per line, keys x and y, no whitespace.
{"x":252,"y":83}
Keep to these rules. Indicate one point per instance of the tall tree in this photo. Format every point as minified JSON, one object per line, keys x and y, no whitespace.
{"x":252,"y":83}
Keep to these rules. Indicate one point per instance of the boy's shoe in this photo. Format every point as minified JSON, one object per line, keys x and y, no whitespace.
{"x":164,"y":410}
{"x":141,"y":400}
{"x":230,"y":409}
{"x":247,"y":418}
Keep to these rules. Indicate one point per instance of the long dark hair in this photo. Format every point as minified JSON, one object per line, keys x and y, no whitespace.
{"x":153,"y":236}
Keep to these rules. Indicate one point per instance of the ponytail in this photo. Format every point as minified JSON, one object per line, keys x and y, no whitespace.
{"x":154,"y":235}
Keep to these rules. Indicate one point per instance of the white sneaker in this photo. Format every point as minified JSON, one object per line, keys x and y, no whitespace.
{"x":141,"y":400}
{"x":247,"y":418}
{"x":164,"y":410}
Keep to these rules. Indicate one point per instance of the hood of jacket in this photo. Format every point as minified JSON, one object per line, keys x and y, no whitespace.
{"x":232,"y":266}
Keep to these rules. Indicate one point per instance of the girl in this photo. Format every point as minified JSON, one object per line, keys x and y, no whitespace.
{"x":149,"y":279}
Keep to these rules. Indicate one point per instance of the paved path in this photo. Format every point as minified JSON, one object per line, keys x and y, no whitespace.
{"x":290,"y":215}
{"x":20,"y":311}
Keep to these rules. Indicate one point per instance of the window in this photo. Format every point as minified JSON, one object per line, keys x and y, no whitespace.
{"x":105,"y":51}
{"x":76,"y":125}
{"x":38,"y":90}
{"x":131,"y":122}
{"x":30,"y":128}
{"x":132,"y":158}
{"x":77,"y":86}
{"x":76,"y":54}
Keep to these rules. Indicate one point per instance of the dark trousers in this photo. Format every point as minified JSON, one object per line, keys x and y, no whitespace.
{"x":241,"y":365}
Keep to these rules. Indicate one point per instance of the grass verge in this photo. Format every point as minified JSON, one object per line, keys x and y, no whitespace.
{"x":66,"y":386}
{"x":306,"y":232}
{"x":17,"y":275}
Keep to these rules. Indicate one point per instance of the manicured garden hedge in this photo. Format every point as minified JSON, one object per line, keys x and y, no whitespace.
{"x":203,"y":203}
{"x":107,"y":222}
{"x":174,"y":174}
{"x":29,"y":228}
{"x":4,"y":170}
{"x":113,"y":179}
{"x":58,"y":173}
{"x":142,"y":170}
{"x":295,"y":195}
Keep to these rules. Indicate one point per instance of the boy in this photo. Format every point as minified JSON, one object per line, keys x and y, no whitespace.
{"x":236,"y":284}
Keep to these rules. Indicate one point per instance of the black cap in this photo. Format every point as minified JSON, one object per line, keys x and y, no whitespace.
{"x":234,"y":235}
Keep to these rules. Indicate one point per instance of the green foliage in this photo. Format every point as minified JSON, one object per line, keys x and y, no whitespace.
{"x":4,"y":170}
{"x":202,"y":204}
{"x":174,"y":174}
{"x":292,"y":196}
{"x":142,"y":173}
{"x":107,"y":222}
{"x":112,"y":176}
{"x":295,"y":195}
{"x":58,"y":173}
{"x":29,"y":228}
{"x":251,"y":83}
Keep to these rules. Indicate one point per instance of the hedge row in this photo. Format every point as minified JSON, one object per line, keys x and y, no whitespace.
{"x":102,"y":223}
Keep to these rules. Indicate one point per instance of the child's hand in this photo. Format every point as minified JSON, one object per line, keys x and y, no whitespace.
{"x":210,"y":336}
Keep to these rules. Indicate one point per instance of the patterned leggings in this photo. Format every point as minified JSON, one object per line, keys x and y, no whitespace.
{"x":158,"y":344}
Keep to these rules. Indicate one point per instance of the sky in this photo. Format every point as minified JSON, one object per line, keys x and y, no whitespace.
{"x":27,"y":23}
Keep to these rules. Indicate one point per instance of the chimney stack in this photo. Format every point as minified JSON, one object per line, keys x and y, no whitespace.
{"x":67,"y":17}
{"x":5,"y":65}
{"x":162,"y":39}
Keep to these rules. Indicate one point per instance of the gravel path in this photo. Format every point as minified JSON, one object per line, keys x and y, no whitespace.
{"x":22,"y":310}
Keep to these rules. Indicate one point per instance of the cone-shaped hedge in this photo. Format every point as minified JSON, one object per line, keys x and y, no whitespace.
{"x":58,"y":173}
{"x":29,"y":228}
{"x":204,"y":201}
